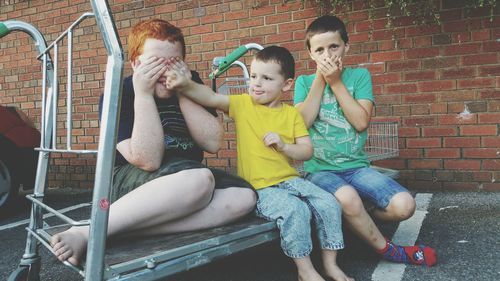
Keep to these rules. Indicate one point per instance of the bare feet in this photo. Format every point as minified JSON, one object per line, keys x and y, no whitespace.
{"x":310,"y":276}
{"x":71,"y":244}
{"x":335,"y":273}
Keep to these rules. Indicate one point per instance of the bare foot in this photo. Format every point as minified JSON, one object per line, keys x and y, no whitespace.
{"x":71,"y":244}
{"x":335,"y":273}
{"x":310,"y":276}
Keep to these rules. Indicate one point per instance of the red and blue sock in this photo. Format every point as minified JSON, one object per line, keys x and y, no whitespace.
{"x":419,"y":255}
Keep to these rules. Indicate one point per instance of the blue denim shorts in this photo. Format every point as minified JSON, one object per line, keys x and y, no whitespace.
{"x":369,"y":183}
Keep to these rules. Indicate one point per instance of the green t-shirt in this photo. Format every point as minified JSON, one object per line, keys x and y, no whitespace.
{"x":337,"y":145}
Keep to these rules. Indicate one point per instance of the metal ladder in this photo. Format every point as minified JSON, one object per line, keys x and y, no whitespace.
{"x":29,"y":266}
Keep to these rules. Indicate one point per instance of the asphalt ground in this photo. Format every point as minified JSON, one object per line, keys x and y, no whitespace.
{"x":463,"y":227}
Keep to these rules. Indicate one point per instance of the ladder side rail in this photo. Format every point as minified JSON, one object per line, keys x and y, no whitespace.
{"x":107,"y":142}
{"x":30,"y":252}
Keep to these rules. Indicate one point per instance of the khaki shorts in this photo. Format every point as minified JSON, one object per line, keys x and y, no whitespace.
{"x":127,"y":177}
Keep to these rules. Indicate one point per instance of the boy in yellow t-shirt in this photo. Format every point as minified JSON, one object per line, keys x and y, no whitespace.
{"x":269,"y":133}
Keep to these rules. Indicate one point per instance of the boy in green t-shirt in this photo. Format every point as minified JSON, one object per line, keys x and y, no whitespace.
{"x":269,"y":133}
{"x":336,"y":104}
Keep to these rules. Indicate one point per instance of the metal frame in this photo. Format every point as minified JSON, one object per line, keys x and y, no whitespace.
{"x":105,"y":154}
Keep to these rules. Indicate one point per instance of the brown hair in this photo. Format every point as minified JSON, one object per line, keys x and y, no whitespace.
{"x":281,"y":56}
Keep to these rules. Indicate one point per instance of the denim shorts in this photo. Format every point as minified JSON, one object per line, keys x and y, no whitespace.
{"x":369,"y":183}
{"x":127,"y":177}
{"x":292,"y":204}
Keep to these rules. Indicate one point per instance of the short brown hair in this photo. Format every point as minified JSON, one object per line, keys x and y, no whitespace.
{"x":281,"y":56}
{"x":156,"y":29}
{"x":324,"y":24}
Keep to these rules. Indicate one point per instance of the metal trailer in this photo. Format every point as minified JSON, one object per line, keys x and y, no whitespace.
{"x":148,"y":258}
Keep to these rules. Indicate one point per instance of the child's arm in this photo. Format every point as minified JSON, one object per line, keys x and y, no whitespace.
{"x":178,"y":80}
{"x":357,"y":112}
{"x":301,"y":150}
{"x":309,"y":108}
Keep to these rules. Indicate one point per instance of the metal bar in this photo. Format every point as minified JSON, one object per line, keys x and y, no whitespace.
{"x":69,"y":90}
{"x":54,"y":100}
{"x":66,"y":151}
{"x":44,"y":97}
{"x":72,"y":26}
{"x":57,"y":213}
{"x":107,"y":142}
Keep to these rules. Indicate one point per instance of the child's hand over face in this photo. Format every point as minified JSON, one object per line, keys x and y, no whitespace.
{"x":331,"y":69}
{"x":147,"y":71}
{"x":274,"y":141}
{"x":178,"y":74}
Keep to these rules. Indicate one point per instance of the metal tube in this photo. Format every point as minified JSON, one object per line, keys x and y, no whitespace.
{"x":69,"y":89}
{"x":54,"y":96}
{"x":44,"y":96}
{"x":57,"y":213}
{"x":107,"y":142}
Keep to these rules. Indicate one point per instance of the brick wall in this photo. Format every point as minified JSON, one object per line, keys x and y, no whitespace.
{"x":440,"y":82}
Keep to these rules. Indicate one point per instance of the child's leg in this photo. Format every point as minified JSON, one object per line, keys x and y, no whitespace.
{"x":374,"y":185}
{"x":305,"y":270}
{"x":154,"y":203}
{"x":332,"y":270}
{"x":292,"y":216}
{"x":394,"y":202}
{"x":327,"y":215}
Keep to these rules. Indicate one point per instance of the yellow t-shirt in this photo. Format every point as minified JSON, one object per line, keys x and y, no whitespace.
{"x":260,"y":165}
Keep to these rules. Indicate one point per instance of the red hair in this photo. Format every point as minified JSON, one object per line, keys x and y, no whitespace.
{"x":156,"y":29}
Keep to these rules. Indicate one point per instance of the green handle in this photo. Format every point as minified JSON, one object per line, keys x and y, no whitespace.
{"x":228,"y":60}
{"x":3,"y":30}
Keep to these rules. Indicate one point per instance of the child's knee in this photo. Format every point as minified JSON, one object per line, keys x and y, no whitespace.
{"x":351,"y":203}
{"x":402,"y":205}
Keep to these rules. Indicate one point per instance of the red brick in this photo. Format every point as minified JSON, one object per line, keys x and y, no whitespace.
{"x":419,"y":98}
{"x":488,"y":58}
{"x":439,"y":131}
{"x":386,"y":56}
{"x":462,"y":164}
{"x":479,"y":130}
{"x":423,"y":142}
{"x":489,"y":118}
{"x":386,"y":78}
{"x":442,"y":153}
{"x":434,"y":86}
{"x":491,"y":186}
{"x":481,"y":153}
{"x":425,"y":164}
{"x":493,"y":46}
{"x":476,"y":83}
{"x":420,"y":75}
{"x":489,"y":70}
{"x":401,"y":88}
{"x":462,"y":49}
{"x":491,"y":165}
{"x":419,"y":121}
{"x":462,"y":72}
{"x":273,"y":19}
{"x":461,"y":142}
{"x":410,"y":153}
{"x":409,"y":132}
{"x":403,"y":65}
{"x":457,"y":119}
{"x":422,"y":53}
